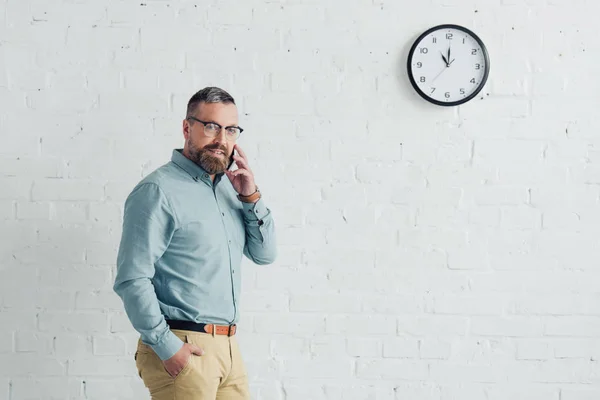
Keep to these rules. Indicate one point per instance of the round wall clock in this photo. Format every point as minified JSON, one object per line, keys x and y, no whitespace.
{"x":448,"y":65}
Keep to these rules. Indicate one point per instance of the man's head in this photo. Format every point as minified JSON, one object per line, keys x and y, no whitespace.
{"x":210,"y":129}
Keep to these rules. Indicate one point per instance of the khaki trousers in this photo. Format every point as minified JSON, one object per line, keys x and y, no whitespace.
{"x":219,"y":374}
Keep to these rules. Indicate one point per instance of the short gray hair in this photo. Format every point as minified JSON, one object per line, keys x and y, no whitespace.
{"x":209,"y":94}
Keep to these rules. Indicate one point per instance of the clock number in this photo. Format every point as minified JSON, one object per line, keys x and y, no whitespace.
{"x":464,"y":40}
{"x":462,"y":91}
{"x":434,"y":39}
{"x":472,"y":80}
{"x":477,"y":66}
{"x":474,"y":52}
{"x":447,"y":95}
{"x":419,"y":64}
{"x":424,"y":50}
{"x":432,"y":89}
{"x":449,"y":36}
{"x":422,"y":79}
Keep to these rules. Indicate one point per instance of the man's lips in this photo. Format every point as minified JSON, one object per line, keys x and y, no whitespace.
{"x":217,"y":152}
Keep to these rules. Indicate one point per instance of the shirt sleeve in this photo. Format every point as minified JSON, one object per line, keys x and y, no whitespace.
{"x":261,"y":246}
{"x":148,"y":226}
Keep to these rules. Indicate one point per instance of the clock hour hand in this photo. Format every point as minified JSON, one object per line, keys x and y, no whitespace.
{"x":445,"y":60}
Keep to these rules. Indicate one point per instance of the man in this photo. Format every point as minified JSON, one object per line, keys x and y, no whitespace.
{"x":186,"y":226}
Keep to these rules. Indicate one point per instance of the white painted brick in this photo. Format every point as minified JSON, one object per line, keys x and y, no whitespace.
{"x":32,"y":342}
{"x":109,"y":346}
{"x":577,"y":348}
{"x":516,"y":326}
{"x":400,"y":348}
{"x":5,"y":387}
{"x":331,"y":303}
{"x":25,"y":364}
{"x":101,"y":366}
{"x":80,"y":322}
{"x":432,"y":325}
{"x":116,"y":388}
{"x":46,"y":387}
{"x":285,"y":346}
{"x":322,"y":367}
{"x":289,"y":323}
{"x":7,"y":209}
{"x":68,"y":345}
{"x":63,"y":189}
{"x":120,"y":323}
{"x":364,"y":347}
{"x":14,"y":188}
{"x":328,"y":347}
{"x":6,"y":342}
{"x":470,"y":305}
{"x":573,"y":326}
{"x":296,"y":390}
{"x":353,"y":325}
{"x":434,"y":349}
{"x":417,"y":390}
{"x":524,"y":392}
{"x":39,"y":210}
{"x":75,"y":278}
{"x":579,"y":393}
{"x":393,"y":369}
{"x":361,"y":391}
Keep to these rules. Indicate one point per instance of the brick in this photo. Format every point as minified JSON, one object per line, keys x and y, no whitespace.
{"x":364,"y":347}
{"x":33,"y":210}
{"x":573,"y":326}
{"x":109,"y":346}
{"x":401,"y":348}
{"x":332,"y":303}
{"x":72,"y":345}
{"x":392,"y":369}
{"x":579,"y":393}
{"x":28,"y":364}
{"x":80,"y":322}
{"x":67,"y":189}
{"x":297,"y":323}
{"x":33,"y":342}
{"x":321,"y":367}
{"x":507,"y":326}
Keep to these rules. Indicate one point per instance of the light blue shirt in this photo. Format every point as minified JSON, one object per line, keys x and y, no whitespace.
{"x":181,"y":249}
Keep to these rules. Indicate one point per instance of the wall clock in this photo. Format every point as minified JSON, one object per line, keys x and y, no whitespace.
{"x":448,"y":65}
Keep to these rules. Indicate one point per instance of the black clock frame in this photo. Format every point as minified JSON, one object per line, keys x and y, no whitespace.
{"x":414,"y":48}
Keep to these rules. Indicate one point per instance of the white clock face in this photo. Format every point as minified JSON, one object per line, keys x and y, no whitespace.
{"x":448,"y":65}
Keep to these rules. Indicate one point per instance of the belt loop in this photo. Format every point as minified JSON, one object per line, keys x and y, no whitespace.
{"x":214,"y":329}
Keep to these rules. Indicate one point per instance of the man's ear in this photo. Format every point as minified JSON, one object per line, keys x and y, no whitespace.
{"x":186,"y":129}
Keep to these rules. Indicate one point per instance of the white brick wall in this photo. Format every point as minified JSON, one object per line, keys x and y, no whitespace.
{"x":425,"y":253}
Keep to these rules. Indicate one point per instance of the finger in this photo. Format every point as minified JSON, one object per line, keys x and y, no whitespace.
{"x":241,"y":152}
{"x":241,"y":163}
{"x":241,"y":171}
{"x":197,"y":350}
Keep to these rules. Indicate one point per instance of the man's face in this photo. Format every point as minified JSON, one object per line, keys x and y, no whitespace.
{"x":210,"y":153}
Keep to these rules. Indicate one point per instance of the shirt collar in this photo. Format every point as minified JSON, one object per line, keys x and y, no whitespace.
{"x":193,"y":169}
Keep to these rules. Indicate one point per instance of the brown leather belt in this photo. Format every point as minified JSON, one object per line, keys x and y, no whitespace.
{"x":228,"y":330}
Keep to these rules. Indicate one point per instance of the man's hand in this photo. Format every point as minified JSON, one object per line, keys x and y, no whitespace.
{"x":175,"y":364}
{"x":242,"y":178}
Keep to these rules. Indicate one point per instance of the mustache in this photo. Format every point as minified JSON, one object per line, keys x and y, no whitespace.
{"x":216,"y":147}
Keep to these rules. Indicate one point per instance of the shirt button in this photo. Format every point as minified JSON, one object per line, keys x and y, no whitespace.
{"x":223,"y":214}
{"x":205,"y":175}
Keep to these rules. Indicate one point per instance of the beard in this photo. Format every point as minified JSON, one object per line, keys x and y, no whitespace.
{"x":211,"y":163}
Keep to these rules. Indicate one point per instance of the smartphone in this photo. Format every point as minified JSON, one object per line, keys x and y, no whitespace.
{"x":231,"y":160}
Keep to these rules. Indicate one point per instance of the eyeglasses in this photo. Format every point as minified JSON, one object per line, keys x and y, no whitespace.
{"x":212,"y":129}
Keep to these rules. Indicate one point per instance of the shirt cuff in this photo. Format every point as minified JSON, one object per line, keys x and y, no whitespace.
{"x":255,"y":211}
{"x":167,"y":347}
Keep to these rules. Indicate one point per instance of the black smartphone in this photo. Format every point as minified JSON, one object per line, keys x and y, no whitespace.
{"x":231,"y":160}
